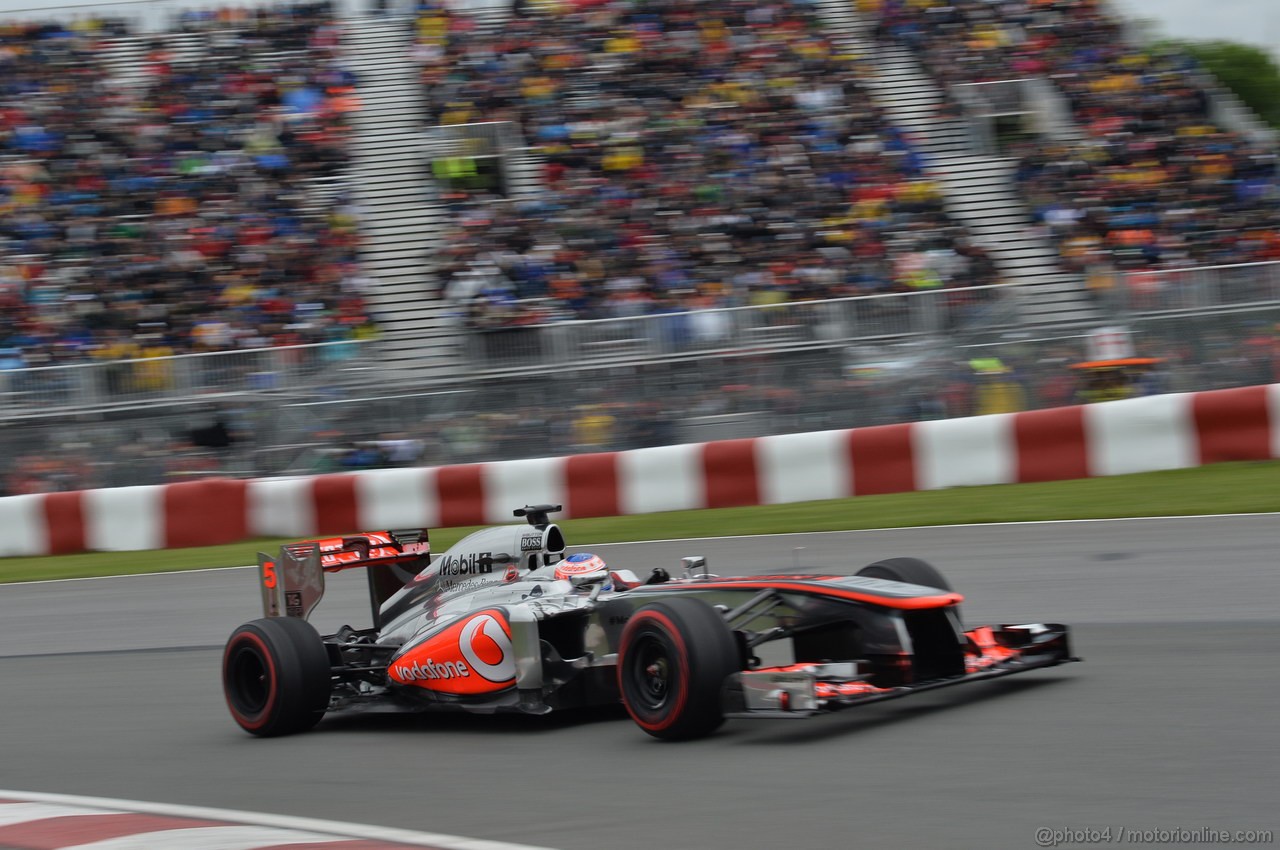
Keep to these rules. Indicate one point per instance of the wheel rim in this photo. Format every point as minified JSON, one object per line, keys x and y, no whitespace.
{"x":250,"y":680}
{"x":651,"y":672}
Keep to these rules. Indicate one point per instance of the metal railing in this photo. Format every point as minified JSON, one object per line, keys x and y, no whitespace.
{"x":125,"y":383}
{"x":506,"y":416}
{"x":1199,"y":289}
{"x":1051,"y":111}
{"x":789,"y":325}
{"x":42,"y":390}
{"x":1044,"y":111}
{"x":142,"y":16}
{"x":994,"y":98}
{"x":983,"y":105}
{"x":491,"y":141}
{"x":489,"y":138}
{"x":1032,"y":99}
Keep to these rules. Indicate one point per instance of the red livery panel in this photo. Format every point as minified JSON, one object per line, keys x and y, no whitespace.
{"x":472,"y":656}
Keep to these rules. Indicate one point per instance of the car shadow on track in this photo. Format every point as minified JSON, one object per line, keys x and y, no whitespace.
{"x":854,"y":721}
{"x":748,"y":732}
{"x":462,"y":723}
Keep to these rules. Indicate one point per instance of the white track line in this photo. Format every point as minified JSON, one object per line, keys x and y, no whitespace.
{"x":735,"y":537}
{"x":229,"y":837}
{"x":130,"y":575}
{"x":16,"y":813}
{"x":255,"y":819}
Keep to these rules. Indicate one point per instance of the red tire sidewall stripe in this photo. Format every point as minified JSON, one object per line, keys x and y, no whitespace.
{"x":265,"y":715}
{"x":682,"y":695}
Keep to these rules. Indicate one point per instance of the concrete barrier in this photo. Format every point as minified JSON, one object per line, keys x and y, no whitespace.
{"x":1136,"y":435}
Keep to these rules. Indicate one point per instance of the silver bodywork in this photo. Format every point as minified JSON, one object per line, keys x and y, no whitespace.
{"x":561,"y":637}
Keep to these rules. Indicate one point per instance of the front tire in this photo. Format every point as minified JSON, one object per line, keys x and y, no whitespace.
{"x":909,"y":571}
{"x":673,"y":660}
{"x":276,"y":677}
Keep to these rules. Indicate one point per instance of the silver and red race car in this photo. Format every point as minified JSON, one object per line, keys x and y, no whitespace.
{"x":505,"y":622}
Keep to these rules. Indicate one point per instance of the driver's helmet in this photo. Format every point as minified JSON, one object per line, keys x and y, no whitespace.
{"x":582,"y":564}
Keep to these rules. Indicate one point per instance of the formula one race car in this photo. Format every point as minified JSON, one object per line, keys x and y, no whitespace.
{"x":504,"y":621}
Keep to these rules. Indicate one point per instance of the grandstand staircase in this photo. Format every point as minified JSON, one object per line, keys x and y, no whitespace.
{"x":525,"y":174}
{"x":124,"y":57}
{"x":982,"y":194}
{"x":401,"y":223}
{"x":980,"y":191}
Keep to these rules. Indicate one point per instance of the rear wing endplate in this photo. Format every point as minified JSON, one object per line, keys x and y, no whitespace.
{"x":293,"y":582}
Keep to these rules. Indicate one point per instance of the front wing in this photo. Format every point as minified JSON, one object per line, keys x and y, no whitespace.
{"x":803,"y":690}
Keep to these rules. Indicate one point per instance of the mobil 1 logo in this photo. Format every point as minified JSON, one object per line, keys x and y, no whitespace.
{"x":473,"y":563}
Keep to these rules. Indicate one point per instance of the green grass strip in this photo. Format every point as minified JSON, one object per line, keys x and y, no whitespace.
{"x":1222,"y":488}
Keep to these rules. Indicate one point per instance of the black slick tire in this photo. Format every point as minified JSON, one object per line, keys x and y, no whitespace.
{"x":673,"y":659}
{"x":276,"y":677}
{"x":908,"y":570}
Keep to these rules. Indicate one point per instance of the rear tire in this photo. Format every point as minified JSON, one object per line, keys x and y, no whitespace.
{"x":907,"y":570}
{"x":276,"y":677}
{"x":673,"y":660}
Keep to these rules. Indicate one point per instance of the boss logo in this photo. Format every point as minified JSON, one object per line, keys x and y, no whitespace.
{"x":530,"y":542}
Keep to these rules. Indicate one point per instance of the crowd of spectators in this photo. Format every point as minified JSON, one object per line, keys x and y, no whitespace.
{"x":695,"y":156}
{"x":173,"y":215}
{"x":1155,"y":184}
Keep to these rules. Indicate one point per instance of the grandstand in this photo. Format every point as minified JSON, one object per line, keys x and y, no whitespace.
{"x":718,"y":173}
{"x":1159,"y":172}
{"x":157,"y":199}
{"x":562,"y":239}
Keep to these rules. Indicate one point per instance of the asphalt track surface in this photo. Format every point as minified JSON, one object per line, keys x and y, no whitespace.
{"x":110,"y":688}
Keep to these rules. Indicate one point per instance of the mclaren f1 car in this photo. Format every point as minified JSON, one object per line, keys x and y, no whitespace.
{"x":504,"y":621}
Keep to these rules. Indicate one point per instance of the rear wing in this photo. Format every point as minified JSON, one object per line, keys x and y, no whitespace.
{"x":292,"y":582}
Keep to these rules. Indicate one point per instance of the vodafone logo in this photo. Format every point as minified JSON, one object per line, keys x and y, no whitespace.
{"x":422,"y":671}
{"x":580,"y":563}
{"x":472,"y":656}
{"x":486,"y":646}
